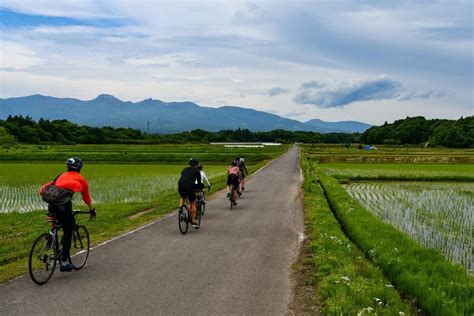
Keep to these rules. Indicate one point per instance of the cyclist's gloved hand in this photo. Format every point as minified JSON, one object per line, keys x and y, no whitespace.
{"x":93,"y":213}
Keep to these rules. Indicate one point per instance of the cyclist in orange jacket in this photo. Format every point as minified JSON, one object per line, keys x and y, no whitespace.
{"x":71,"y":180}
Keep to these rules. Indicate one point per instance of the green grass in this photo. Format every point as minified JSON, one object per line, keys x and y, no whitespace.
{"x":439,"y":287}
{"x":406,"y":171}
{"x":348,"y":283}
{"x":165,"y":154}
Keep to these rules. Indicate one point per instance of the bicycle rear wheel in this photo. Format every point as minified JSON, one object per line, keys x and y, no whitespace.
{"x":183,"y":221}
{"x":42,"y":260}
{"x":79,"y":247}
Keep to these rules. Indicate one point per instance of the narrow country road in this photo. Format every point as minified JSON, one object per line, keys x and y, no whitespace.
{"x":238,"y":262}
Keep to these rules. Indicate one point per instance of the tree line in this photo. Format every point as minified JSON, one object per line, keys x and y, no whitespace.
{"x":418,"y":130}
{"x":411,"y":131}
{"x":26,"y":130}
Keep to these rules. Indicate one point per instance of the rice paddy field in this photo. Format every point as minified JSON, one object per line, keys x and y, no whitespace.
{"x":411,"y":211}
{"x":109,"y":183}
{"x":438,"y":215}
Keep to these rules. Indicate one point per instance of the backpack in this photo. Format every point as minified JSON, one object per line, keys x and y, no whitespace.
{"x":55,"y":195}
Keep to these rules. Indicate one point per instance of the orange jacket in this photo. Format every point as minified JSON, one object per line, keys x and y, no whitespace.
{"x":73,"y":181}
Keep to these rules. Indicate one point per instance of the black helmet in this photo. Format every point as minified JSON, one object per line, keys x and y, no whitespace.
{"x":234,"y":163}
{"x":193,"y":162}
{"x":74,"y":163}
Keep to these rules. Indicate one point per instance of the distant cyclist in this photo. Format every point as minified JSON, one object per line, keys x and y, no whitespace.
{"x":72,"y":181}
{"x":243,"y":172}
{"x":204,"y":179}
{"x":189,"y":182}
{"x":233,"y":177}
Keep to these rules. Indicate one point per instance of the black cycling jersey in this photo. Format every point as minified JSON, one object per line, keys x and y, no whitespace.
{"x":188,"y":178}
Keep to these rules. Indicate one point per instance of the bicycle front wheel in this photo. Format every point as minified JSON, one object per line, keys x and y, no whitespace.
{"x":79,"y":247}
{"x":183,"y":221}
{"x":42,"y":261}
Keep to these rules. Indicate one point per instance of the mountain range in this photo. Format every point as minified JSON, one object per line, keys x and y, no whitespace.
{"x":163,"y":117}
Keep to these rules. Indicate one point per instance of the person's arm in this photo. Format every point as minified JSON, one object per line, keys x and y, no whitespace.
{"x":44,"y":187}
{"x":246,"y":171}
{"x":205,"y":179}
{"x":199,"y":178}
{"x":86,"y":197}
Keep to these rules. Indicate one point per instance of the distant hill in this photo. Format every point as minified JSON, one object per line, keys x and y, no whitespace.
{"x":342,"y":126}
{"x":164,"y":117}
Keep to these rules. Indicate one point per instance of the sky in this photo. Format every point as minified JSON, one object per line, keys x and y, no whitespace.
{"x":370,"y":61}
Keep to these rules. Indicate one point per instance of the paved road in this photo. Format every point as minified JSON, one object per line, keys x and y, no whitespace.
{"x":238,"y":262}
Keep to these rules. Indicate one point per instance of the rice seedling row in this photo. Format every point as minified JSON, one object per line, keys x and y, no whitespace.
{"x":437,"y":215}
{"x":108,"y":183}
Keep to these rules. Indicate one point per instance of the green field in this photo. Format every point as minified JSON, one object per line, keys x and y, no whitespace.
{"x":156,"y":154}
{"x":109,"y":183}
{"x":436,"y":214}
{"x":131,"y":185}
{"x":400,"y":171}
{"x":410,"y":211}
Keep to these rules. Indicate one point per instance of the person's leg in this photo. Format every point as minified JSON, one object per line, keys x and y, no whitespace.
{"x":192,"y":206}
{"x":67,"y":224}
{"x":192,"y":209}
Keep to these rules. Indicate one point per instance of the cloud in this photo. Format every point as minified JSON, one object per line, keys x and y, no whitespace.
{"x":167,"y":60}
{"x":312,"y":85}
{"x":410,"y":95}
{"x":17,"y":56}
{"x":339,"y":95}
{"x":277,"y":91}
{"x":323,"y":96}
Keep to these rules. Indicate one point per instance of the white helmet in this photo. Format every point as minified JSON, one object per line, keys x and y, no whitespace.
{"x":242,"y":159}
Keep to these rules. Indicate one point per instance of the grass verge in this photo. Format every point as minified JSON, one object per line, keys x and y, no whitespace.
{"x":347,"y":282}
{"x":439,"y":287}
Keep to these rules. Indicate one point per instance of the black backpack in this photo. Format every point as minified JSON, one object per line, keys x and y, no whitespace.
{"x":56,"y":196}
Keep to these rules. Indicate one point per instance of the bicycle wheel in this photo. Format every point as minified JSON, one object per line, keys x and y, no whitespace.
{"x":42,"y":261}
{"x":183,"y":221}
{"x":203,"y":208}
{"x":79,"y":247}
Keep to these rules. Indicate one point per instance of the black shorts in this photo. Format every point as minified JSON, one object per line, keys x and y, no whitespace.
{"x":188,"y":193}
{"x":233,"y":180}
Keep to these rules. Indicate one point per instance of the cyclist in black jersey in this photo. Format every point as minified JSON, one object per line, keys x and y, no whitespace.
{"x":189,"y":182}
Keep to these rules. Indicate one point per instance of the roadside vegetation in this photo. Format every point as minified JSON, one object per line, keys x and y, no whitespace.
{"x":348,"y":283}
{"x":126,"y":196}
{"x":436,"y":213}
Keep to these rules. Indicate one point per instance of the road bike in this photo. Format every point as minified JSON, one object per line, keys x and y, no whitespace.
{"x":46,"y":250}
{"x":185,"y":218}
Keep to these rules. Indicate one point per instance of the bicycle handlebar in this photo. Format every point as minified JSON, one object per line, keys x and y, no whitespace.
{"x":92,"y":213}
